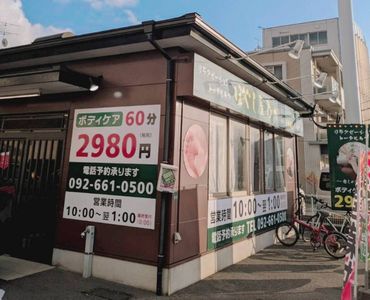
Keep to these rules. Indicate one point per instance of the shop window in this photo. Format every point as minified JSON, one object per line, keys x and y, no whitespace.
{"x":324,"y":156}
{"x":269,"y":161}
{"x":279,"y":163}
{"x":238,"y":157}
{"x":217,"y":155}
{"x":255,"y":159}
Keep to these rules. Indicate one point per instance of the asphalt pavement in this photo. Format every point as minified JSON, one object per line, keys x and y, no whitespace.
{"x":278,"y":272}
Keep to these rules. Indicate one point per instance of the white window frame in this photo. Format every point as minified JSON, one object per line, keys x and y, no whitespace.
{"x":278,"y":63}
{"x":219,"y":195}
{"x":246,"y":139}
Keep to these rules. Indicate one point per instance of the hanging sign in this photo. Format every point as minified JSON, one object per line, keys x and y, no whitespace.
{"x":357,"y":231}
{"x":345,"y":141}
{"x":113,"y":166}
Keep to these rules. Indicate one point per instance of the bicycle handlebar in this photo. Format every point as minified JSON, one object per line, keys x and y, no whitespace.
{"x":317,"y":199}
{"x":314,"y":198}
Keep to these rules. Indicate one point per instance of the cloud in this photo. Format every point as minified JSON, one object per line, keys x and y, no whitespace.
{"x":62,"y":1}
{"x":96,"y":4}
{"x":99,"y":4}
{"x":131,"y":17}
{"x":18,"y":29}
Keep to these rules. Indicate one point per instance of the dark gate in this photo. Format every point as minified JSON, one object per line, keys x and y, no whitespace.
{"x":31,"y":156}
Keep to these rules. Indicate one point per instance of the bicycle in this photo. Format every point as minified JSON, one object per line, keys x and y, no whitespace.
{"x":335,"y":243}
{"x":321,"y":210}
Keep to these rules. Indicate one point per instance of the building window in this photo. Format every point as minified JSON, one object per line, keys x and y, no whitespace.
{"x":277,"y":70}
{"x":284,"y":39}
{"x":312,"y":38}
{"x":238,"y":157}
{"x":275,"y":41}
{"x":319,"y":37}
{"x":280,"y":40}
{"x":304,"y":37}
{"x":323,"y":37}
{"x":279,"y":159}
{"x":269,"y":161}
{"x":294,"y":37}
{"x":255,"y":159}
{"x":217,"y":155}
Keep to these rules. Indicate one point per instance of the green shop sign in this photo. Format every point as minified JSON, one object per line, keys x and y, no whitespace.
{"x":345,"y":141}
{"x":232,"y":219}
{"x":106,"y":119}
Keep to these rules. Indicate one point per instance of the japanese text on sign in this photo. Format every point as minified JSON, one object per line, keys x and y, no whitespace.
{"x":345,"y":141}
{"x":113,"y":166}
{"x":234,"y":218}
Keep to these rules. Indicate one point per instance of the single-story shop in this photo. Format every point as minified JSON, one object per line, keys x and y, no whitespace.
{"x":85,"y":123}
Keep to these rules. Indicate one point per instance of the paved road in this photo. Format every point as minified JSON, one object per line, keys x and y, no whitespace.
{"x":276,"y":273}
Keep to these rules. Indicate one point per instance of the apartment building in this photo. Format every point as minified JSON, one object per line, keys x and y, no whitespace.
{"x":321,"y":54}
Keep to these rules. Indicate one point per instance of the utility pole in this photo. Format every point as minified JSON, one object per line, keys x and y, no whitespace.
{"x":348,"y":57}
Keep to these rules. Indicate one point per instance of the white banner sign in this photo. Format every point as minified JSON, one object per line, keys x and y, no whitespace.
{"x":113,"y":166}
{"x":229,"y":210}
{"x":232,"y":219}
{"x":128,"y":134}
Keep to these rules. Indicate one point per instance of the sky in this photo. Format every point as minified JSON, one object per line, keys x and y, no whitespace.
{"x":240,"y":21}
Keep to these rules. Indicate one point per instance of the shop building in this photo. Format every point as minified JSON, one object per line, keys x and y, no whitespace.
{"x":322,"y":53}
{"x":87,"y":120}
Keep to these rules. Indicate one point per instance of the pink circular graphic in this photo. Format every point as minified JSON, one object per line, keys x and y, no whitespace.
{"x":290,"y":162}
{"x":195,"y":151}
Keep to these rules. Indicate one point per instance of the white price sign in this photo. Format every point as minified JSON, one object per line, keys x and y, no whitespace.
{"x":113,"y":161}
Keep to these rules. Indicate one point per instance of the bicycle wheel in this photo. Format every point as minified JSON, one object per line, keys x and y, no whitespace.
{"x":335,"y":244}
{"x":306,"y":231}
{"x":287,"y":233}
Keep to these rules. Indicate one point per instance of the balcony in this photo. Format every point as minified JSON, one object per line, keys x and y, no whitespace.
{"x":327,"y":61}
{"x":324,"y":96}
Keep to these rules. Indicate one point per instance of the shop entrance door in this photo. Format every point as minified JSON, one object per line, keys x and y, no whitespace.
{"x":31,"y":157}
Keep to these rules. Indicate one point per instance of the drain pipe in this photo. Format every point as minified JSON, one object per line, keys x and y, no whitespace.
{"x":297,"y":172}
{"x":88,"y":234}
{"x":165,"y":197}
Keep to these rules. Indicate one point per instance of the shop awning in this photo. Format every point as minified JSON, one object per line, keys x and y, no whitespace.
{"x":43,"y":81}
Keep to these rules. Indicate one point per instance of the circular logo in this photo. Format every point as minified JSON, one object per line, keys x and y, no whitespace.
{"x":195,"y":151}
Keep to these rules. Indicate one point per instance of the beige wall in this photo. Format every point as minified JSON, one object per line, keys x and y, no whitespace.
{"x":330,"y":25}
{"x":291,"y":67}
{"x":363,"y":71}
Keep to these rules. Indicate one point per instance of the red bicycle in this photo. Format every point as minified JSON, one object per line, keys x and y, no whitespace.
{"x":335,"y":243}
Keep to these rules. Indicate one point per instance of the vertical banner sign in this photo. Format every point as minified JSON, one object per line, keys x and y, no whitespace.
{"x":357,"y":244}
{"x":113,"y":166}
{"x":362,"y":207}
{"x":345,"y":141}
